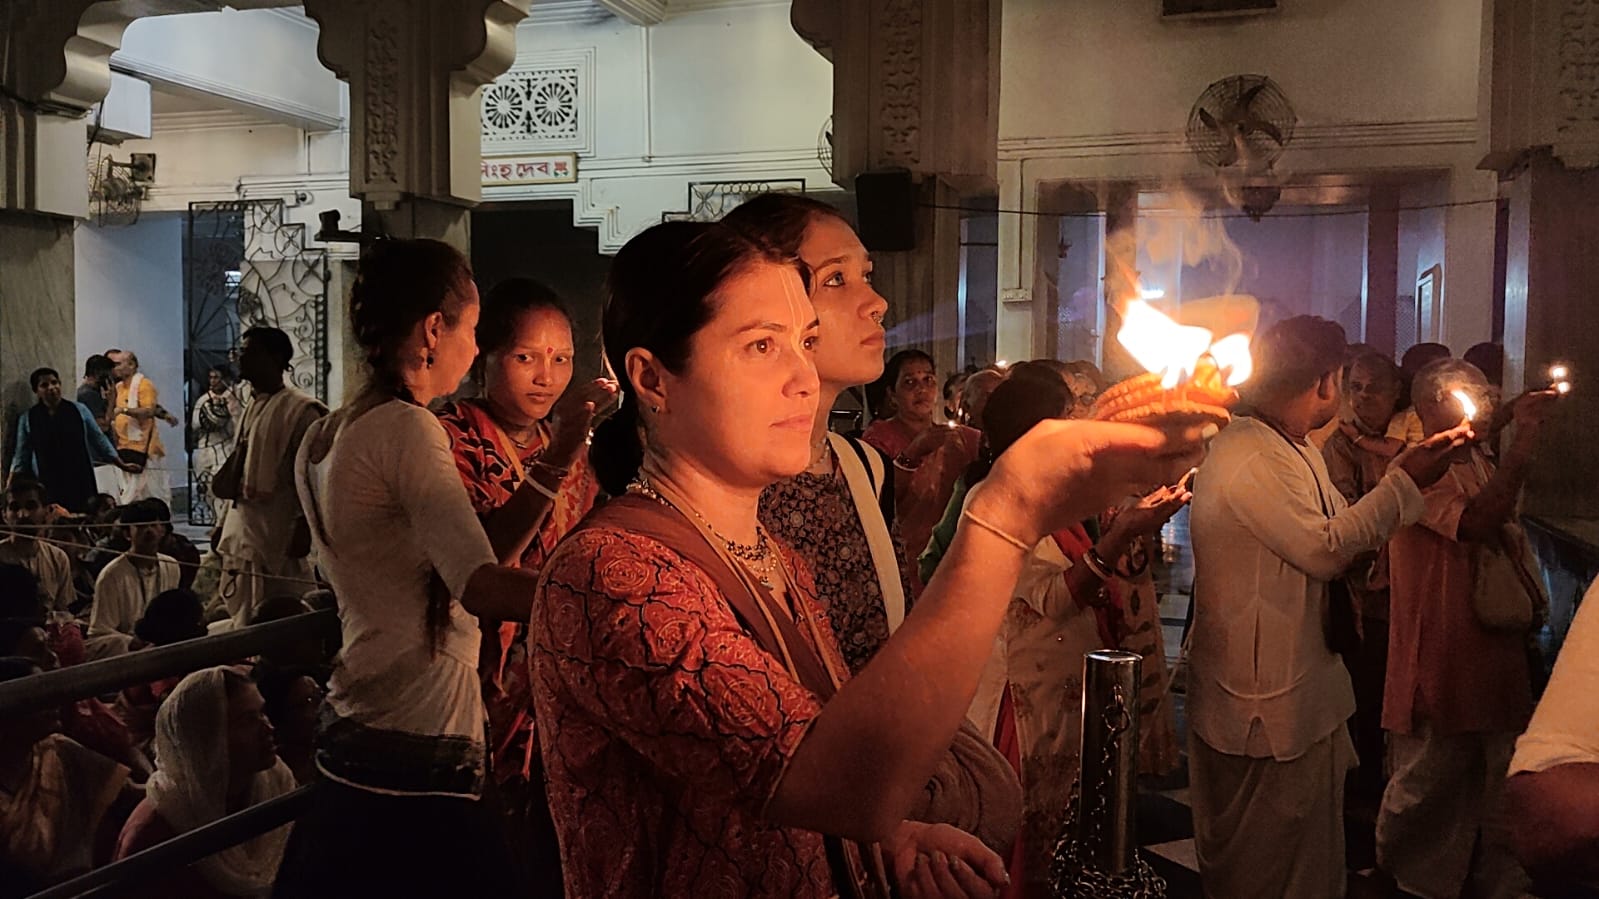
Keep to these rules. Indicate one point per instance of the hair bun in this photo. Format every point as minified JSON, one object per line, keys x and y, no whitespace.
{"x":615,"y":452}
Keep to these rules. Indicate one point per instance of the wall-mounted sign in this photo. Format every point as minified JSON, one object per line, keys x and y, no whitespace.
{"x":547,"y":168}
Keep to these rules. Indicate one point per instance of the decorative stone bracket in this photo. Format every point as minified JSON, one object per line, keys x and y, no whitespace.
{"x":416,"y":69}
{"x":915,"y":85}
{"x":1545,"y":86}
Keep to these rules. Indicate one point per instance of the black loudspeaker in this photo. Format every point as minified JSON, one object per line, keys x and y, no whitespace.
{"x":885,"y":203}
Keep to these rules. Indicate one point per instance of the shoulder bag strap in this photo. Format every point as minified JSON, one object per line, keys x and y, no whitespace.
{"x":651,"y":519}
{"x":878,"y":540}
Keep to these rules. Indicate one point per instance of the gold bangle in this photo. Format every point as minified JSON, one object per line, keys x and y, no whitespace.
{"x":990,"y":527}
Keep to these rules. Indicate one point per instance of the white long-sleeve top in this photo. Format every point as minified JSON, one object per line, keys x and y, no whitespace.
{"x":1262,"y":681}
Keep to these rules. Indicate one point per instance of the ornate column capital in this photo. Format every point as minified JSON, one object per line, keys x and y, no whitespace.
{"x":915,"y":84}
{"x":415,"y":69}
{"x":59,"y":66}
{"x":817,"y":23}
{"x":1544,"y":89}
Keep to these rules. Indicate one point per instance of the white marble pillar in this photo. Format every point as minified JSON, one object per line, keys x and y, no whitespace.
{"x":915,"y":87}
{"x":1551,"y":275}
{"x":1543,"y":136}
{"x":1470,"y":224}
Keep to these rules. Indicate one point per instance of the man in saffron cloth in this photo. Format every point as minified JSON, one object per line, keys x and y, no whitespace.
{"x":133,"y":429}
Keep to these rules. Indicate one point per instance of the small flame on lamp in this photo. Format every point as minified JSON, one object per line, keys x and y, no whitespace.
{"x":1562,"y":387}
{"x":1466,"y":405}
{"x":1558,"y":372}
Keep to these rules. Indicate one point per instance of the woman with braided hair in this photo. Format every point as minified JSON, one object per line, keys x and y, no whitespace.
{"x":401,"y":739}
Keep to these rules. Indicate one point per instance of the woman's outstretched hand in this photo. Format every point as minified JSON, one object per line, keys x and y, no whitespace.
{"x":1062,"y":472}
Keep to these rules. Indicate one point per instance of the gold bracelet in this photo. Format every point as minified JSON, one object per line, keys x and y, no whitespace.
{"x":995,"y":530}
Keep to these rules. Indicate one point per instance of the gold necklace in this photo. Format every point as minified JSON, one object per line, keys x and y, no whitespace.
{"x":758,"y":557}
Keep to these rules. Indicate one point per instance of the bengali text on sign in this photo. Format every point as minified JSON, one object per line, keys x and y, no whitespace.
{"x":554,"y":169}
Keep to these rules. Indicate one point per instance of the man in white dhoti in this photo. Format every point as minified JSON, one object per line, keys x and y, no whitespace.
{"x":133,"y":429}
{"x":1268,"y":699}
{"x":264,"y":540}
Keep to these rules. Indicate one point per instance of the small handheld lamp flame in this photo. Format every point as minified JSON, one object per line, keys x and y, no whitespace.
{"x":1560,"y":378}
{"x":1466,"y":405}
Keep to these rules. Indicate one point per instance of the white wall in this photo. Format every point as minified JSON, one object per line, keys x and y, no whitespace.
{"x":1115,"y":67}
{"x":130,"y":296}
{"x":263,"y":60}
{"x":1102,"y":92}
{"x":728,"y":94}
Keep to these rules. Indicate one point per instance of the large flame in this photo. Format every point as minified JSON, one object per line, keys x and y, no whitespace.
{"x":1173,"y":350}
{"x":1466,"y":405}
{"x":1160,"y":344}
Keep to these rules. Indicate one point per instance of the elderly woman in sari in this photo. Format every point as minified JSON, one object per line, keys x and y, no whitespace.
{"x":701,"y":733}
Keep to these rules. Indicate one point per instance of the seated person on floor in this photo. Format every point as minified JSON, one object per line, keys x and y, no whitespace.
{"x":90,"y":722}
{"x":26,"y":543}
{"x":131,"y":581}
{"x":19,"y":598}
{"x":214,"y":757}
{"x":61,"y":804}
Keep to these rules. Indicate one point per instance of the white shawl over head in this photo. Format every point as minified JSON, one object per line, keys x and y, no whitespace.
{"x":189,"y":786}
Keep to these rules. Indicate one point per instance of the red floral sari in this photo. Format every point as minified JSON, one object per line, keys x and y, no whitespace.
{"x":491,"y":477}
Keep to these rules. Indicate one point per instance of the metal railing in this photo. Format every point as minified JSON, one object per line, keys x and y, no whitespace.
{"x":64,"y":685}
{"x":165,"y":859}
{"x":52,"y":689}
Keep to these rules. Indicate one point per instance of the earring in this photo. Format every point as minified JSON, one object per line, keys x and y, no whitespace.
{"x":430,"y":359}
{"x":655,"y":409}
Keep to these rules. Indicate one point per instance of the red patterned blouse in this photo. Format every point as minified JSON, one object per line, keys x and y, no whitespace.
{"x":665,"y":729}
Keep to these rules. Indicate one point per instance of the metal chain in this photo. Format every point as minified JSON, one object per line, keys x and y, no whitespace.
{"x":1070,"y":875}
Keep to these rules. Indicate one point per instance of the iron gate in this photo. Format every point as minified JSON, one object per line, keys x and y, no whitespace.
{"x":245,"y":265}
